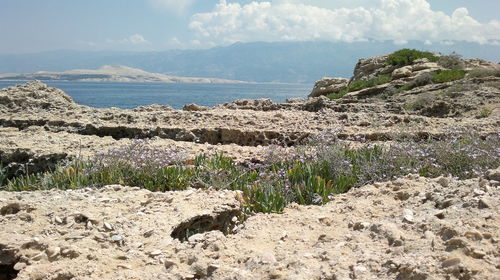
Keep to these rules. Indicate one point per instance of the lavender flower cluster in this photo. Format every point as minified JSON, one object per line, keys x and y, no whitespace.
{"x":140,"y":154}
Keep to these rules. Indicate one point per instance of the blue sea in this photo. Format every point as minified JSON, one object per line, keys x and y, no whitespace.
{"x":131,"y":95}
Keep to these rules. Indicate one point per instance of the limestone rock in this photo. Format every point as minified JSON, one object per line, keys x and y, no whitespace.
{"x":402,"y":72}
{"x":195,"y":108}
{"x":327,"y":86}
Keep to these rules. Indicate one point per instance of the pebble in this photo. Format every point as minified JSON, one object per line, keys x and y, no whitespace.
{"x":484,"y":203}
{"x":450,"y":262}
{"x":359,"y":270}
{"x":58,"y":220}
{"x":53,"y":252}
{"x":155,"y":253}
{"x":108,"y":226}
{"x":20,"y":266}
{"x":429,"y":235}
{"x":408,"y":215}
{"x":443,"y":181}
{"x":478,"y":254}
{"x":168,"y":263}
{"x":125,"y":266}
{"x":116,"y":238}
{"x":474,"y":235}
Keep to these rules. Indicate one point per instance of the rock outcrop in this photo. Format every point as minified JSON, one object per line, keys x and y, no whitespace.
{"x":327,"y":86}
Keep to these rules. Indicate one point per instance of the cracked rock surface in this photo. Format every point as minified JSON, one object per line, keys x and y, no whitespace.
{"x":409,"y":228}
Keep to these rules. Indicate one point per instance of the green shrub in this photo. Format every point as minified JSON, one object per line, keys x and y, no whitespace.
{"x":408,"y":56}
{"x":484,"y":113}
{"x":445,"y":76}
{"x":361,"y":84}
{"x":337,"y":95}
{"x":482,"y":73}
{"x":452,"y":61}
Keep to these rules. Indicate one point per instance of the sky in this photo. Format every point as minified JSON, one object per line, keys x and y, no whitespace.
{"x":154,"y":25}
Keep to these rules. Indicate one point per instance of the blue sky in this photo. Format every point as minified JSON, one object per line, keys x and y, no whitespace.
{"x":142,"y":25}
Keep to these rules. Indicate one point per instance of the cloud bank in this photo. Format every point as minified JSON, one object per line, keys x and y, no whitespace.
{"x":175,"y":6}
{"x":396,"y":20}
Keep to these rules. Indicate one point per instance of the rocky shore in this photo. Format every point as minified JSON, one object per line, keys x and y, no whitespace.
{"x":409,"y":228}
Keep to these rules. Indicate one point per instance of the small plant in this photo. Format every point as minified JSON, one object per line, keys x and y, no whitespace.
{"x":420,"y":102}
{"x":445,"y":76}
{"x":408,"y":56}
{"x":408,"y":106}
{"x":484,"y":113}
{"x":422,"y":80}
{"x":452,"y":61}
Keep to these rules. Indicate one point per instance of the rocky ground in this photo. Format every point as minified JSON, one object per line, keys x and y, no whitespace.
{"x":410,"y":228}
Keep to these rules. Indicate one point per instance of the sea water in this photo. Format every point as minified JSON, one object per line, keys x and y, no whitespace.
{"x":131,"y":95}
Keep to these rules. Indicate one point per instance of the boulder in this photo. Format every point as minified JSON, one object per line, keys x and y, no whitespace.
{"x":425,"y":66}
{"x":402,"y":72}
{"x":372,"y":67}
{"x":315,"y":104}
{"x":194,"y":108}
{"x":327,"y":86}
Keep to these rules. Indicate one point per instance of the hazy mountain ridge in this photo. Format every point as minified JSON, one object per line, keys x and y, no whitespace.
{"x":258,"y":62}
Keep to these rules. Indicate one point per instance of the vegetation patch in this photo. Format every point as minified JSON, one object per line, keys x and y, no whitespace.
{"x":444,"y":76}
{"x":408,"y":56}
{"x":361,"y":84}
{"x":482,"y":73}
{"x":452,"y":61}
{"x":311,"y":175}
{"x":484,"y":113}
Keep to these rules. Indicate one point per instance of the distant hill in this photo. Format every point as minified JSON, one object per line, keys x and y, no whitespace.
{"x":112,"y":73}
{"x":295,"y":62}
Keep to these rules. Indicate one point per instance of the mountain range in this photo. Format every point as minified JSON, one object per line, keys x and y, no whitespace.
{"x":290,"y":62}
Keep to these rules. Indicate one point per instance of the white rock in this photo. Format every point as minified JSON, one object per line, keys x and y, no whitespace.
{"x":450,"y":262}
{"x":116,"y":238}
{"x":155,"y":253}
{"x":20,"y":266}
{"x":53,"y":252}
{"x":408,"y":215}
{"x":58,"y":220}
{"x":108,"y":226}
{"x":402,"y":72}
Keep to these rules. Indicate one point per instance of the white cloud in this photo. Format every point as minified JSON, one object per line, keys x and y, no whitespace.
{"x":135,"y":39}
{"x":287,"y":20}
{"x":175,"y":6}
